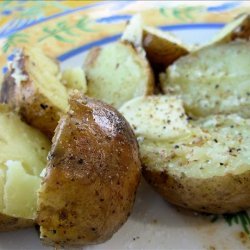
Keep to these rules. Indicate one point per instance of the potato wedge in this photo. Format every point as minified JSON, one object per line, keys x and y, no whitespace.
{"x":133,"y":32}
{"x":162,"y":48}
{"x":91,"y":179}
{"x":22,"y":158}
{"x":201,"y":165}
{"x":213,"y":80}
{"x":33,"y":87}
{"x":117,"y":73}
{"x":239,"y":28}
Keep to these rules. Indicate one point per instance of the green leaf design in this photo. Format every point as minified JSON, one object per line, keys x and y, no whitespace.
{"x":14,"y":40}
{"x":190,"y":9}
{"x":177,"y":12}
{"x":183,"y":14}
{"x":56,"y":33}
{"x":82,"y":24}
{"x":163,"y":11}
{"x":63,"y":31}
{"x":241,"y":218}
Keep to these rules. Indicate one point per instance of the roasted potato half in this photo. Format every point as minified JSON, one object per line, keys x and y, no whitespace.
{"x":213,"y":80}
{"x":92,"y":175}
{"x":239,"y":28}
{"x":33,"y":87}
{"x":22,"y":158}
{"x":117,"y":73}
{"x":201,"y":165}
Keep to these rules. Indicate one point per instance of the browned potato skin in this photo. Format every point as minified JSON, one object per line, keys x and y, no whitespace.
{"x":92,"y":175}
{"x":8,"y":223}
{"x":161,"y":52}
{"x":186,"y":192}
{"x":240,"y":32}
{"x":33,"y":107}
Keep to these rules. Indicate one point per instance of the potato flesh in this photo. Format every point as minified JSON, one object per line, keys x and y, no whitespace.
{"x":213,"y":80}
{"x":164,"y":115}
{"x":19,"y":141}
{"x":117,"y":74}
{"x":20,"y":191}
{"x":45,"y":75}
{"x":2,"y":182}
{"x":133,"y":32}
{"x":203,"y":153}
{"x":22,"y":157}
{"x":74,"y":79}
{"x":213,"y":146}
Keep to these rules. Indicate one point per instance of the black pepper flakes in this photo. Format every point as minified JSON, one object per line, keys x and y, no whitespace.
{"x":44,"y":106}
{"x":80,"y":161}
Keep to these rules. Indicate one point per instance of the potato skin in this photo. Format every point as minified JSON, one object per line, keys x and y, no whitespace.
{"x":230,"y":191}
{"x":160,"y":51}
{"x":92,"y":175}
{"x":33,"y":106}
{"x":8,"y":223}
{"x":234,"y":30}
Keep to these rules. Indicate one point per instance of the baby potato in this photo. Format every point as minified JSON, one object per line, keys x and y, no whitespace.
{"x":200,"y":164}
{"x":92,"y":175}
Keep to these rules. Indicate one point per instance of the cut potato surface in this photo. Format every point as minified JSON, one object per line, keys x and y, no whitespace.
{"x":20,"y":191}
{"x":116,"y":73}
{"x":213,"y":80}
{"x":204,"y":165}
{"x":22,"y":158}
{"x":133,"y":31}
{"x":239,"y":28}
{"x":74,"y":79}
{"x":156,"y":118}
{"x":33,"y":87}
{"x":92,"y":175}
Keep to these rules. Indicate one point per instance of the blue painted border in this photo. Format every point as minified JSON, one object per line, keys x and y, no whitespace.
{"x":88,"y":46}
{"x":192,"y":26}
{"x":114,"y":38}
{"x":224,"y":6}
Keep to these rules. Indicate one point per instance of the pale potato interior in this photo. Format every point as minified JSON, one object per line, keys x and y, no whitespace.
{"x":117,"y":74}
{"x":20,"y":191}
{"x":213,"y":80}
{"x":19,"y":141}
{"x":156,"y":117}
{"x":133,"y":32}
{"x":22,"y":158}
{"x":74,"y":79}
{"x":213,"y":146}
{"x":45,"y":74}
